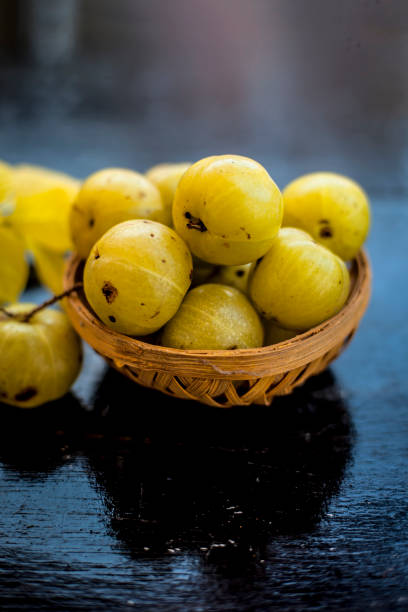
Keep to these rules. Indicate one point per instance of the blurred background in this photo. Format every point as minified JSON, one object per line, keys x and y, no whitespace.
{"x":297,"y":85}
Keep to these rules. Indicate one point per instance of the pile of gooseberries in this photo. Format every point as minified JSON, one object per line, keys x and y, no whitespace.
{"x":203,"y":256}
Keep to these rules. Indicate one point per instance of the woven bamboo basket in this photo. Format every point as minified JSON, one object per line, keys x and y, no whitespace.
{"x":224,"y":378}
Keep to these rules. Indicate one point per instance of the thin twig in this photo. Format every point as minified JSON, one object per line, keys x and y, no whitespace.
{"x":51,"y":301}
{"x":7,"y":313}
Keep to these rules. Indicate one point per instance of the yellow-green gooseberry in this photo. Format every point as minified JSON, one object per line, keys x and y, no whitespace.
{"x":13,"y":265}
{"x":109,"y":197}
{"x":136,"y":276}
{"x":39,"y":359}
{"x":298,"y":283}
{"x":332,"y":208}
{"x":228,"y":209}
{"x":234,"y":276}
{"x":6,"y":184}
{"x":166,"y":177}
{"x":275,"y":334}
{"x":214,"y":317}
{"x":202,"y":271}
{"x":41,"y":206}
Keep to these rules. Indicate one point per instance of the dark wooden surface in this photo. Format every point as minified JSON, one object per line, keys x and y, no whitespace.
{"x":118,"y":498}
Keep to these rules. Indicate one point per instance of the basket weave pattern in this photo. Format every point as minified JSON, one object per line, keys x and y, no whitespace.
{"x":224,"y":378}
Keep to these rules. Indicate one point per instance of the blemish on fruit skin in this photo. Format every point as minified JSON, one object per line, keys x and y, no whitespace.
{"x":91,"y":222}
{"x":326,"y":232}
{"x":240,"y":272}
{"x":248,"y":236}
{"x":109,"y":291}
{"x":325,"y":221}
{"x":97,"y":255}
{"x":112,"y":318}
{"x":194,"y":223}
{"x":163,"y":261}
{"x":227,"y":245}
{"x":142,"y":194}
{"x":26,"y":394}
{"x":142,"y":303}
{"x":151,"y":235}
{"x":232,"y":348}
{"x":155,"y":314}
{"x":191,"y":275}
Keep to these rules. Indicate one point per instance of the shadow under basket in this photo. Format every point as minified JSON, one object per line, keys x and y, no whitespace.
{"x":224,"y":378}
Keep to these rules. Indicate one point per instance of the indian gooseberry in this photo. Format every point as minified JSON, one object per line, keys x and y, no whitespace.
{"x":43,"y":200}
{"x":136,"y":276}
{"x":39,"y":359}
{"x":214,"y":317}
{"x":108,"y":197}
{"x":166,"y":178}
{"x":202,"y":271}
{"x":275,"y":334}
{"x":49,"y":267}
{"x":228,"y":209}
{"x":6,"y":179}
{"x":234,"y":276}
{"x":298,"y":283}
{"x":13,"y":265}
{"x":332,"y":208}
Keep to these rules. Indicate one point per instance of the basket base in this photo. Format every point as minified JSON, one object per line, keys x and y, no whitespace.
{"x":228,"y":393}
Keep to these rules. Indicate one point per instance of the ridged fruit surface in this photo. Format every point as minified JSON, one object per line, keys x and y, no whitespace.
{"x":108,"y":197}
{"x":39,"y":359}
{"x":228,"y":209}
{"x":136,"y":276}
{"x":330,"y":207}
{"x":214,"y":317}
{"x":298,"y":283}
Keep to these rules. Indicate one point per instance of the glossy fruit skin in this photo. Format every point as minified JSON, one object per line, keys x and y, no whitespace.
{"x":39,"y":360}
{"x":43,"y":200}
{"x":136,"y":276}
{"x":228,"y":209}
{"x":166,"y":177}
{"x":332,"y":208}
{"x":13,"y":265}
{"x":298,"y":283}
{"x":275,"y":334}
{"x":108,"y":197}
{"x":214,"y":317}
{"x":233,"y":276}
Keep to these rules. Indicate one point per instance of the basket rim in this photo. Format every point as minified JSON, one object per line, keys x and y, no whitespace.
{"x":237,"y":364}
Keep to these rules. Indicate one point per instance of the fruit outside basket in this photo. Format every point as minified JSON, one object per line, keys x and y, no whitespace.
{"x":223,"y":378}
